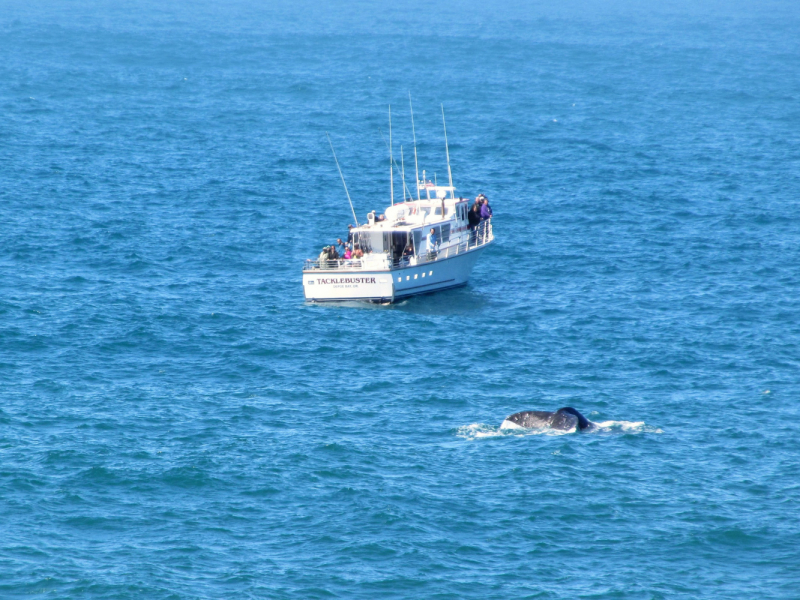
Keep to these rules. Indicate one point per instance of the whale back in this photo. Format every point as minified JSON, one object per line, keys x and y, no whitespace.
{"x":541,"y":419}
{"x":564,"y":419}
{"x":582,"y":422}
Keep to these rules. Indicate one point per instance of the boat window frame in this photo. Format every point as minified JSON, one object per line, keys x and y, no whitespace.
{"x":417,"y":235}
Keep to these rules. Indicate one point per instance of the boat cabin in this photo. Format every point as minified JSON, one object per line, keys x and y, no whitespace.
{"x":409,"y":223}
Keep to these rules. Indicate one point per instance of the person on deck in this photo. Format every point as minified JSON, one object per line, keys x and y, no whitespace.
{"x":323,"y":258}
{"x":347,"y":253}
{"x":433,"y":242}
{"x":474,"y":215}
{"x":350,"y":235}
{"x":486,"y":210}
{"x":340,"y":246}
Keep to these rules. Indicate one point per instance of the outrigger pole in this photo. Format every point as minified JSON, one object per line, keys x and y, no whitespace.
{"x":413,"y":131}
{"x":355,"y":218}
{"x":447,"y":149}
{"x":391,"y":160}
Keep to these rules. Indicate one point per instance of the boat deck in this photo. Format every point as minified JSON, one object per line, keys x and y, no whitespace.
{"x":471,"y":240}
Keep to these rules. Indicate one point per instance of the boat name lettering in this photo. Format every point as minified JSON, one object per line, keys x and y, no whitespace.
{"x":340,"y":280}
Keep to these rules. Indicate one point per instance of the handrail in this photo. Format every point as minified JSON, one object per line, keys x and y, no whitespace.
{"x":475,"y":238}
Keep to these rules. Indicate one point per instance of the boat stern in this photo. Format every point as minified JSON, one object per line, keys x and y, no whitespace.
{"x":329,"y":286}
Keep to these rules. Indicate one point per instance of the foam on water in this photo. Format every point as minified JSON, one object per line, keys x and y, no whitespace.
{"x":625,"y":427}
{"x":482,"y":430}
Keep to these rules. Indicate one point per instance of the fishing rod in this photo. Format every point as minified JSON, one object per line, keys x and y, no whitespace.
{"x":342,"y":176}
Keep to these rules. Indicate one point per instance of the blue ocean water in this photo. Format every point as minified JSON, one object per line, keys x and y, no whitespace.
{"x":175,"y":422}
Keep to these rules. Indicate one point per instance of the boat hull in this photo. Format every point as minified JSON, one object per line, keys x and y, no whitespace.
{"x":337,"y":285}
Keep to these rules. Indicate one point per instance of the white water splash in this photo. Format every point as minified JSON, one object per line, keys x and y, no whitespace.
{"x":481,"y":430}
{"x":625,"y":427}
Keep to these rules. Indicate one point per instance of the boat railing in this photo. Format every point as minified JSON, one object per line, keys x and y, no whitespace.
{"x":332,"y":264}
{"x":480,"y":236}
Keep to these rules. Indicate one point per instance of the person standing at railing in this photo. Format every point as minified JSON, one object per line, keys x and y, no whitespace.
{"x":486,"y":210}
{"x":474,"y":218}
{"x":433,"y":242}
{"x":323,"y":258}
{"x":474,"y":215}
{"x":340,"y":246}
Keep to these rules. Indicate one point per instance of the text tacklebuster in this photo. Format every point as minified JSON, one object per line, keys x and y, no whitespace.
{"x":340,"y":280}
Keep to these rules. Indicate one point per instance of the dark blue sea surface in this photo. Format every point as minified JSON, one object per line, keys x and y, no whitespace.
{"x":175,"y":420}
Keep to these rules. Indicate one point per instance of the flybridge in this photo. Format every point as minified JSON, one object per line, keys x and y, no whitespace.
{"x":420,"y":245}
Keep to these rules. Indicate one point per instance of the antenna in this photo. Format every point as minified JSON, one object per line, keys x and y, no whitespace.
{"x":447,"y":149}
{"x":397,"y":168}
{"x":342,"y":176}
{"x":416,"y":167}
{"x":403,"y":164}
{"x":391,"y":160}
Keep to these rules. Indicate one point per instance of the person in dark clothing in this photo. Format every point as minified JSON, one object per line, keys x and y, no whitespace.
{"x":474,"y":215}
{"x":350,"y":236}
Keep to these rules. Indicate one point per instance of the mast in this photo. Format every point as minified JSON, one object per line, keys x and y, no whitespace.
{"x":413,"y":131}
{"x":391,"y":160}
{"x":447,"y":149}
{"x":342,"y":176}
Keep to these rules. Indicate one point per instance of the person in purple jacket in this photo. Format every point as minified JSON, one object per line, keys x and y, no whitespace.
{"x":486,"y":210}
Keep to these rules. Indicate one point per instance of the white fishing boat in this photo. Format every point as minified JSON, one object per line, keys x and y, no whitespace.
{"x":388,"y":271}
{"x":418,"y":246}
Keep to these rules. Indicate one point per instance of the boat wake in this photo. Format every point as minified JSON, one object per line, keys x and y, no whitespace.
{"x":481,"y":430}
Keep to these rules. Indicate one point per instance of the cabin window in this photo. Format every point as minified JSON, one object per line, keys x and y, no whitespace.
{"x":445,"y":232}
{"x":399,"y":239}
{"x":417,"y":240}
{"x":370,"y":241}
